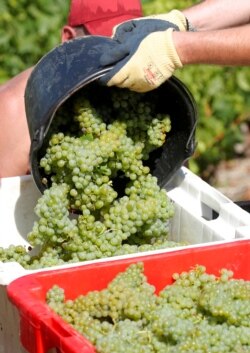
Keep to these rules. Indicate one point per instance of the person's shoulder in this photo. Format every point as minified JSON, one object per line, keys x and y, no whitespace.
{"x":12,"y":91}
{"x":17,"y":82}
{"x":14,"y":134}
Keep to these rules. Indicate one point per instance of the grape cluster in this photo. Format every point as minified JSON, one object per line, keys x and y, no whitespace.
{"x":198,"y":313}
{"x":102,"y":199}
{"x":15,"y":254}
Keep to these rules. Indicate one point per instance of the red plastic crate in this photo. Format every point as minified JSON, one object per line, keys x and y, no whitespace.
{"x":41,"y":329}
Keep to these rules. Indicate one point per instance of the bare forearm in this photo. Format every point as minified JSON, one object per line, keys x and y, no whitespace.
{"x":218,"y":14}
{"x":222,"y":47}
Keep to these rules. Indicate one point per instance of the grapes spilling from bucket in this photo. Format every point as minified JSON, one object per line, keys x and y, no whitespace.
{"x":101,"y":198}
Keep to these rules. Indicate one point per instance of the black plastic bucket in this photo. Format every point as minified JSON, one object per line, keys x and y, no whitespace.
{"x":75,"y":65}
{"x":245,"y":205}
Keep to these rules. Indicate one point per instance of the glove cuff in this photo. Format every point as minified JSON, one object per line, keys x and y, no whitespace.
{"x":176,"y":17}
{"x":170,"y":49}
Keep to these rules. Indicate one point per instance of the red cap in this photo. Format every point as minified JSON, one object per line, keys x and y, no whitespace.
{"x":100,"y":16}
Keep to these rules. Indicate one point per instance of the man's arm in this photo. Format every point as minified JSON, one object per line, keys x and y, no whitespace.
{"x":142,"y":63}
{"x":221,"y":47}
{"x":218,"y":14}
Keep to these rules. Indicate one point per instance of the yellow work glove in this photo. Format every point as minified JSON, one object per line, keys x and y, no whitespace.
{"x":176,"y":17}
{"x":146,"y":25}
{"x":142,"y":63}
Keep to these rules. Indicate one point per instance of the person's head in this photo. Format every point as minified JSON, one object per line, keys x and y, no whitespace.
{"x":98,"y":17}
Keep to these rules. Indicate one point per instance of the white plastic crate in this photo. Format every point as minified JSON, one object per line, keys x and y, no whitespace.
{"x":203,"y":216}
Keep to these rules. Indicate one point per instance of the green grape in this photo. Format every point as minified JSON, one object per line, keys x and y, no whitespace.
{"x":102,"y":199}
{"x":127,"y":315}
{"x":16,"y":253}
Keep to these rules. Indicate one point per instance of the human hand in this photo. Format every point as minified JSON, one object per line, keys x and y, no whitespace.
{"x":142,"y":62}
{"x":149,"y":24}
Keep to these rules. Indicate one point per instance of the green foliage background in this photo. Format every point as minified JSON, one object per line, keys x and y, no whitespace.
{"x":30,"y":29}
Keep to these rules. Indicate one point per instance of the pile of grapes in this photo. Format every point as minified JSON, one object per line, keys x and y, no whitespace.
{"x":199,"y":313}
{"x":101,"y":198}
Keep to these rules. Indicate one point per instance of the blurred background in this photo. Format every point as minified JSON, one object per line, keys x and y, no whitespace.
{"x":222,"y":158}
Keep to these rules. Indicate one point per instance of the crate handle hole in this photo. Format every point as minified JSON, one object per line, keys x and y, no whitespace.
{"x":208,"y":213}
